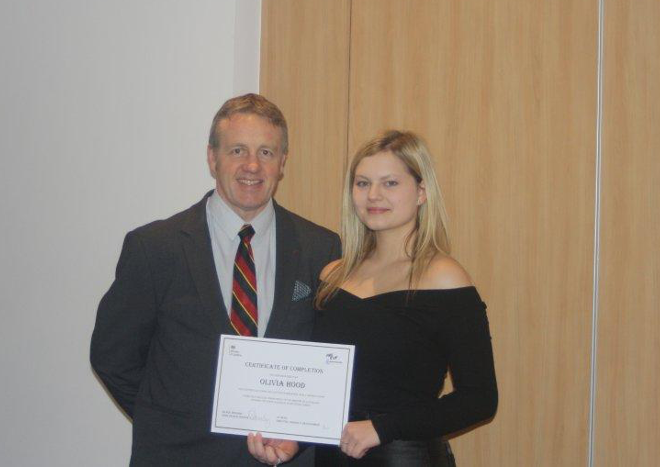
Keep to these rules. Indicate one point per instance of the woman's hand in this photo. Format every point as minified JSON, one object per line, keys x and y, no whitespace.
{"x":358,"y":437}
{"x":271,"y":451}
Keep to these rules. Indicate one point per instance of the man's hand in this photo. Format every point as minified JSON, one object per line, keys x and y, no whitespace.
{"x":271,"y":451}
{"x":358,"y":437}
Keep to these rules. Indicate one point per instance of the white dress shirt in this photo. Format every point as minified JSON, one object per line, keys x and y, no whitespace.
{"x":224,"y":225}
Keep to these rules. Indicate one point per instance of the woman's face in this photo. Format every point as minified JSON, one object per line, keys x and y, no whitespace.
{"x":385,"y":195}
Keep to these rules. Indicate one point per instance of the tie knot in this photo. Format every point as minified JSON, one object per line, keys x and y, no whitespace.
{"x":246,"y":233}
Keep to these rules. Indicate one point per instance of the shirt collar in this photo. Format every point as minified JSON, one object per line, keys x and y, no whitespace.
{"x":228,"y":222}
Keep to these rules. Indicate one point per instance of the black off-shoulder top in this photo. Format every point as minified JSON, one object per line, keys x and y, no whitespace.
{"x":405,"y":341}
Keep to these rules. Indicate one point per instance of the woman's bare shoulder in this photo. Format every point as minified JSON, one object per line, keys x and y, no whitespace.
{"x":444,"y":272}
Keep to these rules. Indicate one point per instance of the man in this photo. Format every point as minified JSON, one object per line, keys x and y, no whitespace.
{"x":182,"y":282}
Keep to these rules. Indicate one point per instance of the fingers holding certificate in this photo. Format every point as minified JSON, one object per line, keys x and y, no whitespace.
{"x":271,"y":451}
{"x":283,"y":389}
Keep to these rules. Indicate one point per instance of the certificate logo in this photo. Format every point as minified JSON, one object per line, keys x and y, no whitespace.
{"x":332,"y":358}
{"x":233,"y":351}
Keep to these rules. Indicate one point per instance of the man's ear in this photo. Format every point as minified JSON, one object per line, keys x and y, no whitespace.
{"x":211,"y":159}
{"x":282,"y":164}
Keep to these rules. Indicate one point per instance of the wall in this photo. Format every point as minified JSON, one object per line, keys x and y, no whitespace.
{"x":104,"y":109}
{"x":627,"y":416}
{"x":304,"y":70}
{"x":509,"y":97}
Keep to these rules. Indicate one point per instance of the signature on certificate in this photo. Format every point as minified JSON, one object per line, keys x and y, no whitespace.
{"x":253,"y":416}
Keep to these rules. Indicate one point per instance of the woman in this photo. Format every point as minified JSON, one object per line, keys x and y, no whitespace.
{"x":410,"y":310}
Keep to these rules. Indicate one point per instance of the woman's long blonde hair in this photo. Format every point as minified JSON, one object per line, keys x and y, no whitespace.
{"x":430,"y":234}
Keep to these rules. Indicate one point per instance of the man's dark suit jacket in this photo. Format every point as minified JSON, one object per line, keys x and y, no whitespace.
{"x":155,"y":343}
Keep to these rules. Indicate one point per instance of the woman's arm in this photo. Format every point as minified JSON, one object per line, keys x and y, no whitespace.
{"x":466,"y":336}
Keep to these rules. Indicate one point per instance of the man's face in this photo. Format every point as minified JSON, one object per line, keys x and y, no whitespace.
{"x":248,"y":164}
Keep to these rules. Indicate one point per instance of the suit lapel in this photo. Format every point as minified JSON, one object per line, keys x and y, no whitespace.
{"x":199,"y":254}
{"x":287,"y":256}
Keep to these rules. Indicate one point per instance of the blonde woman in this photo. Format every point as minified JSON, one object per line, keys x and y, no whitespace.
{"x":410,"y":309}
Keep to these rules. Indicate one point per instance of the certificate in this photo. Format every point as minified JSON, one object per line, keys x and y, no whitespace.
{"x":296,"y":390}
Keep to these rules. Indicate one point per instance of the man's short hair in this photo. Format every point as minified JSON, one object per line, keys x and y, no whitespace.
{"x":250,"y":104}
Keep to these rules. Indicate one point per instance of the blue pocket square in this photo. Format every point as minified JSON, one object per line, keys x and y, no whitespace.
{"x":300,"y":291}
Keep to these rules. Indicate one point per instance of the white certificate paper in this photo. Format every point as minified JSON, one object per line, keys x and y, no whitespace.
{"x":295,"y":390}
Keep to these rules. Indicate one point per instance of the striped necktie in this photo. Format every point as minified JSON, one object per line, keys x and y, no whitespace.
{"x":244,"y":287}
